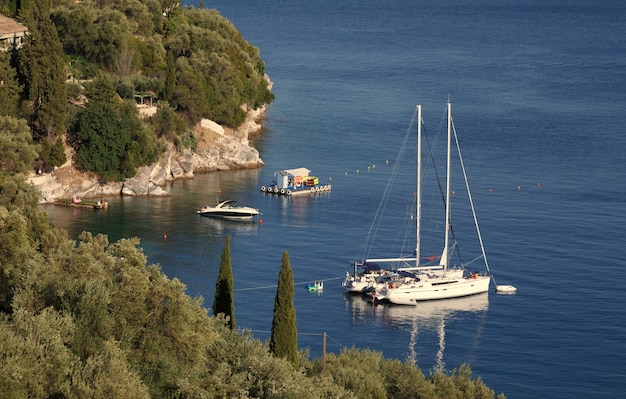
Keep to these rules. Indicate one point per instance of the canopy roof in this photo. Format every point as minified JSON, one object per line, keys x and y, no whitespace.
{"x":295,"y":172}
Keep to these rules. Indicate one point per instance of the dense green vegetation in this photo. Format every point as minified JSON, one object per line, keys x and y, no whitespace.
{"x":91,"y":319}
{"x":88,"y":318}
{"x":85,"y":65}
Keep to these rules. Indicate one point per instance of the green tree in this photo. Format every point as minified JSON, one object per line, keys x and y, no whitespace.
{"x":17,"y":150}
{"x":112,"y":141}
{"x":96,"y":33}
{"x":107,"y":375}
{"x":165,"y":121}
{"x":42,"y":73}
{"x":36,"y":358}
{"x":190,"y":96}
{"x":170,"y":77}
{"x":16,"y":255}
{"x":102,"y":89}
{"x":284,"y":339}
{"x":9,"y":87}
{"x":217,"y":71}
{"x":53,"y":154}
{"x":100,"y":142}
{"x":224,"y":302}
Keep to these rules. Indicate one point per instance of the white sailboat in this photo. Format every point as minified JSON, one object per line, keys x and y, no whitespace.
{"x":438,"y":281}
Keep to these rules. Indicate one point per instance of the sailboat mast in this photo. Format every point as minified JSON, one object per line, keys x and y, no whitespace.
{"x":419,"y":186}
{"x":444,"y":260}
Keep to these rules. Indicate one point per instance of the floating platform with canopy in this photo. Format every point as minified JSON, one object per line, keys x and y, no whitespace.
{"x":294,"y":182}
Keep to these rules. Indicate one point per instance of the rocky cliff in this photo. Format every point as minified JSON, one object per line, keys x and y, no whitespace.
{"x":219,"y":148}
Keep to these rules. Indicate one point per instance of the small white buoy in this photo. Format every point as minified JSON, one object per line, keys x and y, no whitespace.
{"x":506,"y":288}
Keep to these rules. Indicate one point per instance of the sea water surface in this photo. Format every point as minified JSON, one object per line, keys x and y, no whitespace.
{"x":539,"y":99}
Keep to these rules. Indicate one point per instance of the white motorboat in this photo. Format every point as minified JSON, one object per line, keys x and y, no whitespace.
{"x":229,"y":209}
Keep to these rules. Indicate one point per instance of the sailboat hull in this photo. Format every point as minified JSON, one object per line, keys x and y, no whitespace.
{"x":414,"y":292}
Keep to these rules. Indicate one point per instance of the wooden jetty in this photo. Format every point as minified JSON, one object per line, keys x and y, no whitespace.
{"x":72,"y":203}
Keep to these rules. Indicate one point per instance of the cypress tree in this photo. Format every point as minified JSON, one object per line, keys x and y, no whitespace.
{"x":224,"y":301}
{"x":41,"y":70}
{"x":284,"y":339}
{"x":170,"y":77}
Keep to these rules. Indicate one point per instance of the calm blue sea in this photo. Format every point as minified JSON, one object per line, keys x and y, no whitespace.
{"x":539,"y":96}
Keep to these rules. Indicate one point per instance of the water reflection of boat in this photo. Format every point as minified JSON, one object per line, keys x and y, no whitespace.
{"x":226,"y":226}
{"x":425,"y":316}
{"x":427,"y":310}
{"x":434,"y":314}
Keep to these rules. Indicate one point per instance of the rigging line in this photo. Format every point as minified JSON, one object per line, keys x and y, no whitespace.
{"x":242,"y":330}
{"x":371,"y":234}
{"x":269,"y":332}
{"x":256,"y":288}
{"x":326,"y":279}
{"x":469,"y":194}
{"x":385,"y":198}
{"x":408,"y":228}
{"x":335,"y":341}
{"x":473,"y":260}
{"x":295,"y":283}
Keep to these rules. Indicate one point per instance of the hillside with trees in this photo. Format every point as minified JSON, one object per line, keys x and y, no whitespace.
{"x":89,"y":318}
{"x":85,"y":65}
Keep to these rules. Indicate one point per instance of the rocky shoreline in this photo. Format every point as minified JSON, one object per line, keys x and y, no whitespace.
{"x":219,"y":148}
